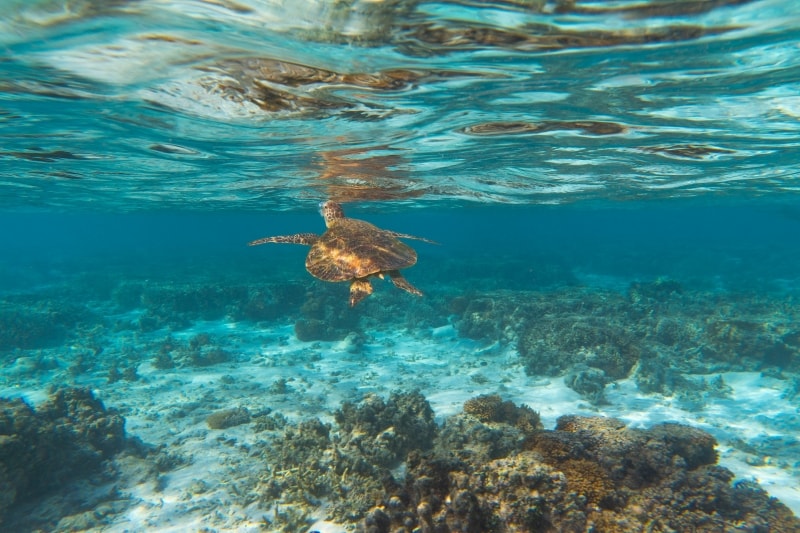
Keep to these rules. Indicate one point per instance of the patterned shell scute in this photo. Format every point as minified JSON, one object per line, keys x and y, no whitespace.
{"x":354,"y":249}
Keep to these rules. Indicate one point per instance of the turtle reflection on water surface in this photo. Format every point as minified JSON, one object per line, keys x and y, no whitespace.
{"x":353,"y":250}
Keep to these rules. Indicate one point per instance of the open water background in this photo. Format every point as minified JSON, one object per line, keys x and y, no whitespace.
{"x":659,"y":135}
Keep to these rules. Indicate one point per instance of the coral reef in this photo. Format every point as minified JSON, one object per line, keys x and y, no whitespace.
{"x":659,"y":329}
{"x":392,"y":428}
{"x":488,"y":428}
{"x":492,"y":468}
{"x":658,"y":290}
{"x":66,"y":437}
{"x":347,"y":464}
{"x":323,"y":317}
{"x":483,"y":318}
{"x":658,"y":373}
{"x":175,"y":305}
{"x":589,"y":474}
{"x":270,"y":303}
{"x":471,"y":440}
{"x":27,"y":330}
{"x":492,"y":408}
{"x":597,"y":329}
{"x":497,"y":316}
{"x":29,"y":322}
{"x":205,"y":302}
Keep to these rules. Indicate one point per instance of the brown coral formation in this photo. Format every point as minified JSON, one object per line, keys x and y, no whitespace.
{"x":492,"y":408}
{"x":589,"y":474}
{"x":480,"y":472}
{"x":348,"y":465}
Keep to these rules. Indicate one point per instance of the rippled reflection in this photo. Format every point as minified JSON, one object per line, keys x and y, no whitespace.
{"x":276,"y":103}
{"x":355,"y":174}
{"x":510,"y":128}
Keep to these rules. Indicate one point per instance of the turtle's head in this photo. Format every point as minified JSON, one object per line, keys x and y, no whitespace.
{"x":330,"y":211}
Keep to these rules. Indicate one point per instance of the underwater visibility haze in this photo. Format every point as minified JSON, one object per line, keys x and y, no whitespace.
{"x":599,"y":327}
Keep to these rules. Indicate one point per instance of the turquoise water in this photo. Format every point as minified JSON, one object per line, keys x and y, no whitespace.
{"x":613,"y":187}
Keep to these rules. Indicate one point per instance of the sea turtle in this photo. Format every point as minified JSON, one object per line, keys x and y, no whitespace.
{"x":353,"y":250}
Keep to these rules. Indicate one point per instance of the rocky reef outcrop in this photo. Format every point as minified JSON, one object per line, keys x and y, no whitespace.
{"x":385,"y":466}
{"x":588,"y":474}
{"x":345,"y":464}
{"x":68,"y":436}
{"x":656,"y":331}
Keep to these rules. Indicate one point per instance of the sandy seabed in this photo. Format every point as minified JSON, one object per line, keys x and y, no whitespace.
{"x":214,"y":486}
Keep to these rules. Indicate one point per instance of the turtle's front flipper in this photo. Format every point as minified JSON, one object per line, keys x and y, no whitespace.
{"x":402,"y":283}
{"x":406,"y":236}
{"x":300,"y":238}
{"x":359,"y":289}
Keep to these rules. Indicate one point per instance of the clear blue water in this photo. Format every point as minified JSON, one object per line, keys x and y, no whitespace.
{"x":547,"y":146}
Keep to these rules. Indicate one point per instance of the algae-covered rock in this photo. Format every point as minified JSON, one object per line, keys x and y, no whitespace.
{"x":228,"y":418}
{"x":590,"y":383}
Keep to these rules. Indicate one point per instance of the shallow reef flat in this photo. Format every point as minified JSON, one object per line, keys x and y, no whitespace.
{"x":274,"y":406}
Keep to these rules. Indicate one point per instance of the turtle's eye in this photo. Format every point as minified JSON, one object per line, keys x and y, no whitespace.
{"x":322,"y":208}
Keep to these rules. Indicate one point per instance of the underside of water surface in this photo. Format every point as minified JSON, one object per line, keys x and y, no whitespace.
{"x":585,"y":315}
{"x":271,"y":105}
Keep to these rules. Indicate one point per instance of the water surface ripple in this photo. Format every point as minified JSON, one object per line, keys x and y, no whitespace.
{"x":254,"y":105}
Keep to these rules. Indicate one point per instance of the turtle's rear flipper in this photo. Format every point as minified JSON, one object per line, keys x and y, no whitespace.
{"x":359,"y":289}
{"x":300,"y":238}
{"x":402,"y":283}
